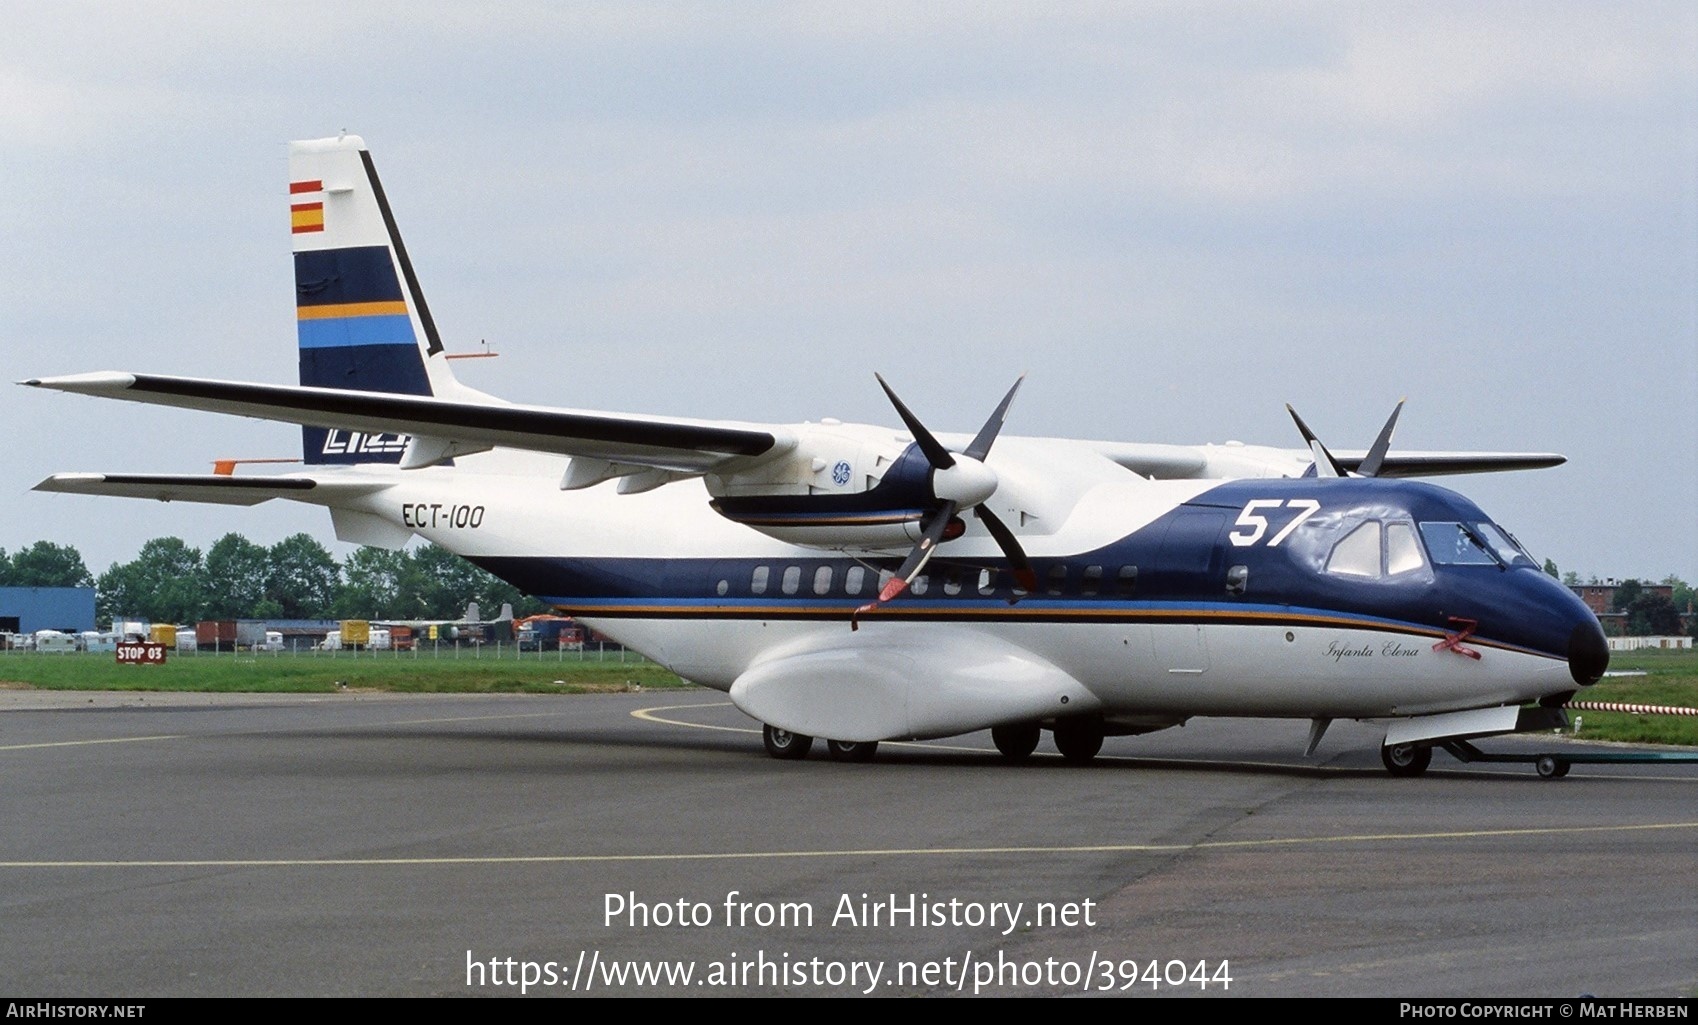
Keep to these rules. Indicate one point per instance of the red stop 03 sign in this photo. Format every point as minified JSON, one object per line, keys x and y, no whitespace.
{"x":141,"y":654}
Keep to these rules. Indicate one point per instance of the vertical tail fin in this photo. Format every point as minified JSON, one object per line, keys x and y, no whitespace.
{"x":361,"y":320}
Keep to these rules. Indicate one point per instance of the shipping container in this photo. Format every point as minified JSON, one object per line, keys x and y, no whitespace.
{"x":163,"y":633}
{"x":216,"y":634}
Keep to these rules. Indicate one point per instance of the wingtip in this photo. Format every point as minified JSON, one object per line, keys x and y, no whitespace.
{"x":95,"y":383}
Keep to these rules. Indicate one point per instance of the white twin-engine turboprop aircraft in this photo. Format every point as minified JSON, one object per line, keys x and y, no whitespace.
{"x":857,"y":583}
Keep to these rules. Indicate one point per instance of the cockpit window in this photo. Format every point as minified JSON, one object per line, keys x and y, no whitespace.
{"x":1358,"y":554}
{"x":1403,"y":552}
{"x":1506,"y":547}
{"x":1456,"y":544}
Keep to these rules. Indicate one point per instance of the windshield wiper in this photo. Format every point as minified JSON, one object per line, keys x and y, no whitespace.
{"x":1481,"y":544}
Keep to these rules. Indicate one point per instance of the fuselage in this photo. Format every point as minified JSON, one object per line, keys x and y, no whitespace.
{"x":1166,"y":599}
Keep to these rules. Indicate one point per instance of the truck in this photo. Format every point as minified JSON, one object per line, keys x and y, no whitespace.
{"x":355,"y":633}
{"x":230,"y":634}
{"x":548,"y":633}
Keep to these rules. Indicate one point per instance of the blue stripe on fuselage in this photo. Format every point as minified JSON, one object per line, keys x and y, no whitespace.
{"x":1182,"y":560}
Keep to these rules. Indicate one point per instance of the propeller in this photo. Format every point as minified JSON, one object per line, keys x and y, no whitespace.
{"x":1327,"y":466}
{"x":959,"y":480}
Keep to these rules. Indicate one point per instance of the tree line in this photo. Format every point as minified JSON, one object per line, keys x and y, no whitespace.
{"x":171,"y":581}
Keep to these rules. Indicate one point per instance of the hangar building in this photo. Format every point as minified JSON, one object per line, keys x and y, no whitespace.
{"x":28,"y":609}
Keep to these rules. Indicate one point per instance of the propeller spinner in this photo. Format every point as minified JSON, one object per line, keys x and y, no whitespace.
{"x":959,"y":480}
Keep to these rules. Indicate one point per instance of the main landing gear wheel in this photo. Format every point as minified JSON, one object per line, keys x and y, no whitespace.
{"x":784,"y":744}
{"x":1551,"y":767}
{"x":1018,"y":741}
{"x":1406,"y":759}
{"x":852,"y":751}
{"x":1079,"y":740}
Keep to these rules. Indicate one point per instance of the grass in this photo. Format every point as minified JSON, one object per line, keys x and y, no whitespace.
{"x":306,"y":674}
{"x":1671,"y":678}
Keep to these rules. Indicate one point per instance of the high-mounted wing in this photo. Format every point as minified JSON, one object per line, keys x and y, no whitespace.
{"x":685,"y":446}
{"x":1210,"y":462}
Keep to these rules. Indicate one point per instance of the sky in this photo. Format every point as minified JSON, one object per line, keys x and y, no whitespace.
{"x":1176,"y":217}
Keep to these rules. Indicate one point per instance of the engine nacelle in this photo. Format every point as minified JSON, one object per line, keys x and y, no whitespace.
{"x":844,"y":486}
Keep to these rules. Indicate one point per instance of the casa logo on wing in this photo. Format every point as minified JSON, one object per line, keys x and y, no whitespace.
{"x":337,"y":442}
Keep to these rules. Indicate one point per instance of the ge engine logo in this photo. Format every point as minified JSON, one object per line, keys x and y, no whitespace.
{"x":840,"y":473}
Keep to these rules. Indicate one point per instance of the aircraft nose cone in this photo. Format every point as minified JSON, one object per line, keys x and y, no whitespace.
{"x":1588,"y":653}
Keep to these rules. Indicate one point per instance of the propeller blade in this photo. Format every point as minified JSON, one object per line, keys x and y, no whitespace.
{"x":1023,"y":574}
{"x":1377,"y":455}
{"x":987,"y":434}
{"x":934,"y":451}
{"x":913,"y":564}
{"x":1325,"y":464}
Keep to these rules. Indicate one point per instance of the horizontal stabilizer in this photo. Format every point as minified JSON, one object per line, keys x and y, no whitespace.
{"x":665,"y":443}
{"x":211,"y":488}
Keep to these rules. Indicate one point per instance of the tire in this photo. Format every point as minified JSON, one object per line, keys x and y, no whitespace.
{"x":1016,"y":741}
{"x":1079,"y":740}
{"x":852,"y":751}
{"x":1406,"y":759}
{"x":784,"y":745}
{"x":1550,"y":767}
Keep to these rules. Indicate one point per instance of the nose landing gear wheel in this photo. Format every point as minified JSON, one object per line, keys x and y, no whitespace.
{"x":1550,"y":767}
{"x":1016,"y":742}
{"x":852,"y":751}
{"x":1406,"y":759}
{"x":784,"y":744}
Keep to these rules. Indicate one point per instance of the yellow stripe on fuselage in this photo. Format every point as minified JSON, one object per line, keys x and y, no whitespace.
{"x":338,"y":310}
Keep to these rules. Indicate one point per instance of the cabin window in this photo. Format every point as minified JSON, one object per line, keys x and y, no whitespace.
{"x":1126,"y":582}
{"x":1358,"y":554}
{"x":920,"y":584}
{"x":792,"y":579}
{"x":853,"y":578}
{"x":724,"y":586}
{"x":757,"y":583}
{"x":952,"y":583}
{"x":885,"y":576}
{"x":1057,"y":579}
{"x":987,"y":582}
{"x":1237,"y":580}
{"x":1403,"y":552}
{"x":822,"y":580}
{"x":1093,"y":580}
